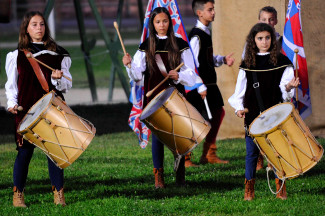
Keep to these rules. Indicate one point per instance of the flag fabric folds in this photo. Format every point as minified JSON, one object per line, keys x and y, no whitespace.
{"x":137,"y":90}
{"x":293,"y":39}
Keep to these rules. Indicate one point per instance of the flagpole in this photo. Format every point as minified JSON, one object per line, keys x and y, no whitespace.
{"x":296,"y":53}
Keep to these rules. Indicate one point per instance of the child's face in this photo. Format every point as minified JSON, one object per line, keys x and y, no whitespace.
{"x":268,"y":18}
{"x":36,"y":28}
{"x":206,"y":16}
{"x":161,"y":24}
{"x":263,"y":41}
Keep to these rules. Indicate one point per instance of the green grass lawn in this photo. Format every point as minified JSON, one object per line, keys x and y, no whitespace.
{"x":114,"y":177}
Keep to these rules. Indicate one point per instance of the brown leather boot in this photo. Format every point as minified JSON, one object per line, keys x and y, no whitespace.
{"x":188,"y":162}
{"x":59,"y":196}
{"x":249,"y":190}
{"x":283,"y":192}
{"x":159,"y":178}
{"x":18,"y":198}
{"x":209,"y":154}
{"x":260,"y":161}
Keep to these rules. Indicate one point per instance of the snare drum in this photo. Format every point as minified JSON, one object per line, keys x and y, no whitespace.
{"x":175,"y":121}
{"x":285,"y":141}
{"x":53,"y":127}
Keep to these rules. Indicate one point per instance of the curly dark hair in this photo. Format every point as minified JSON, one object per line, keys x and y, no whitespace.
{"x":174,"y":55}
{"x":25,"y":39}
{"x":252,"y":49}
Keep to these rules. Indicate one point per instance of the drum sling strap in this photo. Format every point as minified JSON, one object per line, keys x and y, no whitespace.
{"x":256,"y":86}
{"x":38,"y":72}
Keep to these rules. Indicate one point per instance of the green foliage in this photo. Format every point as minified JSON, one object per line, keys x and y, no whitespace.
{"x":114,"y":177}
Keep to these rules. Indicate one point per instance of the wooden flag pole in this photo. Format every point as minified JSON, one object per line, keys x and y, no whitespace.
{"x":296,"y":75}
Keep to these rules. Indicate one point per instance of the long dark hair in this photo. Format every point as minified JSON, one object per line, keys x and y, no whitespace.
{"x":171,"y":45}
{"x":25,"y":39}
{"x":252,"y":49}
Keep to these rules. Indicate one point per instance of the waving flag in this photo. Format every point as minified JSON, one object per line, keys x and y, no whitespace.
{"x":293,"y":39}
{"x":137,"y":90}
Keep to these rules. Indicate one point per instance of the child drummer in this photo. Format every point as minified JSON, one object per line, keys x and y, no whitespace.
{"x":173,"y":51}
{"x":266,"y":78}
{"x":23,"y":88}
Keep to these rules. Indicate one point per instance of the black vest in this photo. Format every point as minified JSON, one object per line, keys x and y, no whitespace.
{"x":153,"y":79}
{"x":206,"y":72}
{"x":269,"y":77}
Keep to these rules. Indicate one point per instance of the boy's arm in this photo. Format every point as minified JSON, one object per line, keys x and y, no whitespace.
{"x":195,"y":45}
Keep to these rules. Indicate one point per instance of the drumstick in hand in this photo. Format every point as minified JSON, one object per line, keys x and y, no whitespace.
{"x":29,"y":55}
{"x":119,"y":36}
{"x":149,"y":93}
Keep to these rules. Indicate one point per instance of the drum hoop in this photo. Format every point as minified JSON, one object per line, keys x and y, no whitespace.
{"x":41,"y":113}
{"x":158,"y":95}
{"x":274,"y":128}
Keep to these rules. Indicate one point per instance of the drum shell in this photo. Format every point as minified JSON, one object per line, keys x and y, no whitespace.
{"x":61,"y":134}
{"x":290,"y":146}
{"x":177,"y":124}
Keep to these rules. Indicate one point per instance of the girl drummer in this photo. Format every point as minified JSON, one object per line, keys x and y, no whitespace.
{"x":173,"y":51}
{"x":24,"y":89}
{"x":267,"y":73}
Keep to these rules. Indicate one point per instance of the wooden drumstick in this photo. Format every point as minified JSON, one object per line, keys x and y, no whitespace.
{"x":149,"y":93}
{"x":29,"y":55}
{"x":246,"y":110}
{"x":119,"y":36}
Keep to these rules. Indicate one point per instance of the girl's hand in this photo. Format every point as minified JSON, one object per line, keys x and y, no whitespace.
{"x":292,"y":84}
{"x":173,"y":75}
{"x":240,"y":113}
{"x":57,"y":74}
{"x":13,"y":110}
{"x":126,"y":59}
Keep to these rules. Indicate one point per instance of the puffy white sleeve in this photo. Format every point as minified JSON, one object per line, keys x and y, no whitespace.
{"x":12,"y":78}
{"x":287,"y":76}
{"x":187,"y":75}
{"x":236,"y":100}
{"x":64,"y":84}
{"x":138,"y":66}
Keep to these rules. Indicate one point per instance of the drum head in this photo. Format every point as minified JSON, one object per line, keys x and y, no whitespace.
{"x":35,"y":111}
{"x":270,"y":118}
{"x":156,"y":102}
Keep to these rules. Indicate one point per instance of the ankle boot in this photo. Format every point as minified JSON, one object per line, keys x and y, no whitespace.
{"x":260,"y":161}
{"x":188,"y":162}
{"x":159,"y":178}
{"x":18,"y":198}
{"x":180,"y":176}
{"x":59,"y":196}
{"x":249,"y":190}
{"x":209,"y":154}
{"x":283,"y":192}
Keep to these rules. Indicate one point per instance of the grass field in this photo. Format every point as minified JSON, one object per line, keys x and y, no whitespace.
{"x":114,"y":177}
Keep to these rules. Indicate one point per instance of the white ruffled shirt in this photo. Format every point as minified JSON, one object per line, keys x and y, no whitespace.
{"x":186,"y":74}
{"x":196,"y":46}
{"x":236,"y":100}
{"x":11,"y":86}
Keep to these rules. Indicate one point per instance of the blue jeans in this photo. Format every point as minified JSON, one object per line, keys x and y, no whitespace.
{"x":252,"y":153}
{"x":22,"y":161}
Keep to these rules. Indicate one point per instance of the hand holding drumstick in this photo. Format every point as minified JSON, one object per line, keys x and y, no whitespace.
{"x":241,"y":113}
{"x":56,"y":74}
{"x":15,"y":109}
{"x":173,"y":74}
